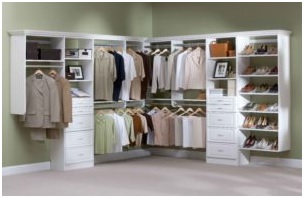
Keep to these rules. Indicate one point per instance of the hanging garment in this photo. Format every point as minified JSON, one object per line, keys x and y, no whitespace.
{"x":194,"y":73}
{"x":129,"y":127}
{"x":144,"y":130}
{"x":42,"y":102}
{"x":150,"y":128}
{"x":104,"y":75}
{"x":140,"y":75}
{"x":161,"y":128}
{"x":65,"y":99}
{"x":159,"y":66}
{"x":172,"y":130}
{"x":120,"y":74}
{"x":171,"y":70}
{"x":105,"y":133}
{"x":199,"y":132}
{"x":178,"y":131}
{"x":150,"y":60}
{"x":180,"y":69}
{"x":122,"y":138}
{"x":187,"y":131}
{"x":130,"y":74}
{"x":146,"y":80}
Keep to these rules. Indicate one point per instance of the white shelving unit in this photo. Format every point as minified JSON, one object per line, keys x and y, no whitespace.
{"x":225,"y":116}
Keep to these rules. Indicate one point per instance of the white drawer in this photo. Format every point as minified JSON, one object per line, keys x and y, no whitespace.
{"x":78,"y":154}
{"x":221,"y":100}
{"x":221,"y":119}
{"x":221,"y":135}
{"x":82,"y":110}
{"x":221,"y":107}
{"x":219,"y":150}
{"x":82,"y":102}
{"x":82,"y":138}
{"x":81,"y":122}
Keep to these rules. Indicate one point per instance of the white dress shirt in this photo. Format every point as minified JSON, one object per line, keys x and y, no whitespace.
{"x":130,"y":75}
{"x":180,"y":69}
{"x":159,"y":67}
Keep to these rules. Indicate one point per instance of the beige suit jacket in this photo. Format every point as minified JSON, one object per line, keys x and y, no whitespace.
{"x":65,"y":99}
{"x":42,"y":102}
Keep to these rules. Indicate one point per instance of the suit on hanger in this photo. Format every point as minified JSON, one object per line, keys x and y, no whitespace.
{"x":65,"y":99}
{"x":42,"y":102}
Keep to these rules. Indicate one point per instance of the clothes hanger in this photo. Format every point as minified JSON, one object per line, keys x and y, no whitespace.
{"x":197,"y":111}
{"x":164,"y":51}
{"x":139,"y":110}
{"x":181,"y":109}
{"x":120,"y":111}
{"x":129,"y":111}
{"x":155,"y":52}
{"x":165,"y":109}
{"x":38,"y":74}
{"x":38,"y":71}
{"x":53,"y":73}
{"x":188,"y":111}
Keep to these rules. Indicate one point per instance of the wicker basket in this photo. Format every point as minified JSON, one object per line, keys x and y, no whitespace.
{"x":220,"y":49}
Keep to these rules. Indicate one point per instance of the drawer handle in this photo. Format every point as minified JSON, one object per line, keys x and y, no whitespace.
{"x":220,"y":135}
{"x":81,"y":154}
{"x":80,"y":123}
{"x":219,"y":108}
{"x":219,"y":120}
{"x":220,"y":150}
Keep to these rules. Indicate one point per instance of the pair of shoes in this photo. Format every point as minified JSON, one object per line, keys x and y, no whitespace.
{"x":262,"y":144}
{"x":274,"y":88}
{"x":273,"y":70}
{"x":250,"y":106}
{"x":249,"y":70}
{"x":262,"y":71}
{"x":249,"y":142}
{"x":275,"y":145}
{"x":273,"y":107}
{"x":249,"y":49}
{"x":272,"y":50}
{"x":272,"y":126}
{"x":262,"y":88}
{"x":262,"y":49}
{"x":249,"y":87}
{"x":262,"y":107}
{"x":262,"y":123}
{"x":249,"y":122}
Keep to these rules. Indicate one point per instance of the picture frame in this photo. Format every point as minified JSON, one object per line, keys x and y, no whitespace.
{"x":221,"y":69}
{"x":77,"y":70}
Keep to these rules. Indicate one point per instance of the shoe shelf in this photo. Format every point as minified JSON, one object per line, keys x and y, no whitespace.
{"x":259,"y":94}
{"x":78,"y":59}
{"x":257,"y":55}
{"x":221,"y":78}
{"x":266,"y":112}
{"x":254,"y":129}
{"x":256,"y":75}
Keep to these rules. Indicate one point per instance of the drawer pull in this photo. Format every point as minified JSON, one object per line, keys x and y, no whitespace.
{"x":220,"y":135}
{"x":81,"y":154}
{"x":220,"y":151}
{"x":219,"y":120}
{"x":219,"y":108}
{"x":80,"y":123}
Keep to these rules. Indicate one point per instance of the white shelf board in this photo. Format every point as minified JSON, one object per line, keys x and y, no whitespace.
{"x":255,"y":75}
{"x":248,"y":111}
{"x":259,"y":94}
{"x":253,"y":129}
{"x":44,"y":66}
{"x":44,"y":61}
{"x":78,"y":59}
{"x":220,"y":58}
{"x":263,"y":150}
{"x":258,"y":55}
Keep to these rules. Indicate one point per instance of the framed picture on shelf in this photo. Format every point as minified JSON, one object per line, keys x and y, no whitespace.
{"x":77,"y":70}
{"x":221,"y":69}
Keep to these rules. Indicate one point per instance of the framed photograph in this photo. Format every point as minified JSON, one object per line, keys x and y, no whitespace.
{"x":221,"y":69}
{"x":77,"y":70}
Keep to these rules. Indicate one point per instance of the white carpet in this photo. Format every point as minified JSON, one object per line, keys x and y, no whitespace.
{"x":158,"y":176}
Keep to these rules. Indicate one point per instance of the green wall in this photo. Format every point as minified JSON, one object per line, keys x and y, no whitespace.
{"x":101,"y":18}
{"x":143,"y":19}
{"x":201,"y":18}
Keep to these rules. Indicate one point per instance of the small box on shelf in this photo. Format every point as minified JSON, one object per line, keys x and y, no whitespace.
{"x":71,"y":53}
{"x":49,"y":54}
{"x":85,"y":53}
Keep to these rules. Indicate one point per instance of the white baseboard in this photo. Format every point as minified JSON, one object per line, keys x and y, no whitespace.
{"x":268,"y":161}
{"x":25,"y":168}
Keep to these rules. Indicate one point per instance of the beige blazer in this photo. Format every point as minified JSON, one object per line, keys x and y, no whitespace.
{"x":195,"y":70}
{"x":65,"y":99}
{"x":42,"y":102}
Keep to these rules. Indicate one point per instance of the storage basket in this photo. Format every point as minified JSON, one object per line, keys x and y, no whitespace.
{"x":220,"y":49}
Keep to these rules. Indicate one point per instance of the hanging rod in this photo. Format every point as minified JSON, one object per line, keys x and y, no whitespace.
{"x":190,"y":44}
{"x":107,"y":45}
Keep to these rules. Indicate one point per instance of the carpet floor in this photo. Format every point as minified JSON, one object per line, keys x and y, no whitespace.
{"x":158,"y":176}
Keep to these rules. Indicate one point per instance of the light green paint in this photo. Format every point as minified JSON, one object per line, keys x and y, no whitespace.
{"x":202,"y":18}
{"x":137,"y":19}
{"x":133,"y":19}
